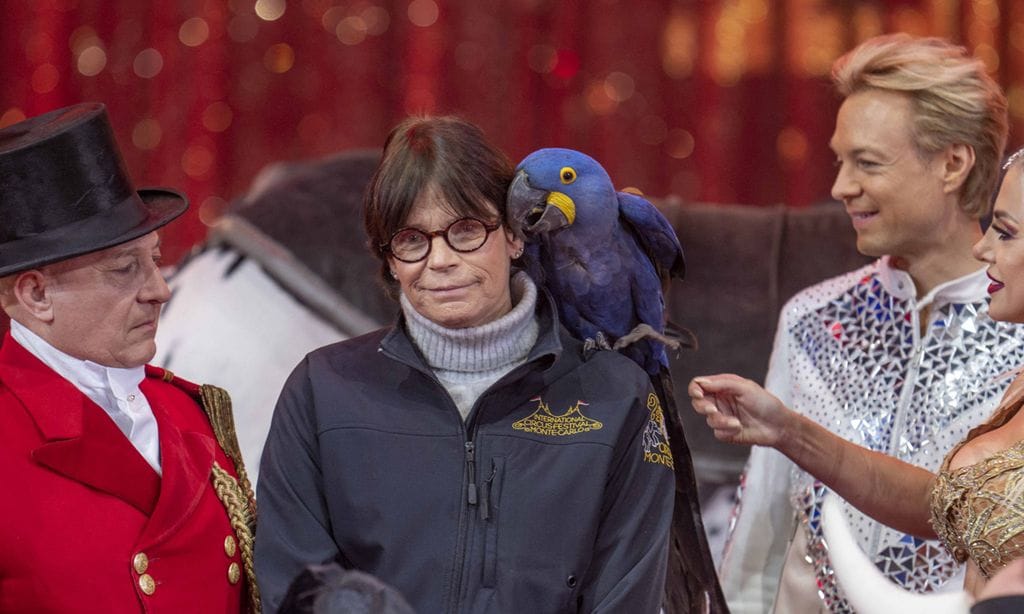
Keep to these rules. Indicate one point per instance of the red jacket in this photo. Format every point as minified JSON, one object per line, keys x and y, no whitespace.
{"x":86,"y":525}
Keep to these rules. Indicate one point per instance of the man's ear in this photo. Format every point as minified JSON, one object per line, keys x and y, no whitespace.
{"x":32,"y":291}
{"x":957,"y":162}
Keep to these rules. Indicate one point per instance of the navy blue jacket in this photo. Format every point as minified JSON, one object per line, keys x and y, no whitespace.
{"x":554,"y":496}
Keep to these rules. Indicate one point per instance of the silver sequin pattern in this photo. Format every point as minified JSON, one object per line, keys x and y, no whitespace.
{"x":894,"y":392}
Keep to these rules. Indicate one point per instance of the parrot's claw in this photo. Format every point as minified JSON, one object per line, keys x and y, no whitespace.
{"x":644,"y":331}
{"x":599,"y":342}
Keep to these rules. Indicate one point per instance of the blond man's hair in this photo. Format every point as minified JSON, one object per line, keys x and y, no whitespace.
{"x":954,"y":101}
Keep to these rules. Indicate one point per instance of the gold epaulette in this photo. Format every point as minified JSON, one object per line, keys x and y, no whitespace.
{"x":235,"y":494}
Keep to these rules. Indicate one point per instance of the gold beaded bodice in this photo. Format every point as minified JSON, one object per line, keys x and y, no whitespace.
{"x":978,"y":510}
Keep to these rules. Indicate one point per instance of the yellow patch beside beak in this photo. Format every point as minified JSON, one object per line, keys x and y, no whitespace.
{"x":564,"y":204}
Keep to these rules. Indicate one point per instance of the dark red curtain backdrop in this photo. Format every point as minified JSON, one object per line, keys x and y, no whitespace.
{"x":722,"y":101}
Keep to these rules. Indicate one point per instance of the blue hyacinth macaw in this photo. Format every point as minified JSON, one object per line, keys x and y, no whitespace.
{"x":604,"y":256}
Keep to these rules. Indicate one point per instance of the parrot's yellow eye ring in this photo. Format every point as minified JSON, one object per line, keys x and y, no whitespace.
{"x":567,"y":175}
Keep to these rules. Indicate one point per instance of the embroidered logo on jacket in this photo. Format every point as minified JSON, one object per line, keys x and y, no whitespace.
{"x":655,"y":437}
{"x":543,"y":422}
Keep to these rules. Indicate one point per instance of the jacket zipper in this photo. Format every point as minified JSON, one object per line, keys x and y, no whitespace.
{"x":485,"y":494}
{"x":903,"y":403}
{"x":465,"y":518}
{"x":471,"y":494}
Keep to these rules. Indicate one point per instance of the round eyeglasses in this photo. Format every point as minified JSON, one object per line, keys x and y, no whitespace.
{"x":464,"y":235}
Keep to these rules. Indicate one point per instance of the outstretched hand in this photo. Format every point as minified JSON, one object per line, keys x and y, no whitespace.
{"x":739,"y":411}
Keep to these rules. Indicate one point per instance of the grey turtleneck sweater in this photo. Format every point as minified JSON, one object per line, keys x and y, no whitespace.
{"x":468,"y":360}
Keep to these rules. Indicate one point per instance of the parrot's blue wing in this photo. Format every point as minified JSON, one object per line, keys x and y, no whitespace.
{"x":654,"y":233}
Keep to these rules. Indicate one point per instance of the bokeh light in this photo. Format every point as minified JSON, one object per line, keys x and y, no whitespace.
{"x":217,"y":116}
{"x":270,"y":10}
{"x":377,"y":20}
{"x":212,"y":209}
{"x":792,"y":145}
{"x":194,"y":32}
{"x":91,"y":61}
{"x":351,"y":30}
{"x":987,"y":54}
{"x":45,"y":78}
{"x":147,"y":134}
{"x":679,"y":144}
{"x":986,"y":11}
{"x":1015,"y":98}
{"x":11,"y":116}
{"x":312,"y":128}
{"x":197,"y":161}
{"x":423,"y":13}
{"x":148,"y":63}
{"x":598,"y":101}
{"x":567,"y":64}
{"x":82,"y":37}
{"x":279,"y":58}
{"x":679,"y":45}
{"x":332,"y":17}
{"x":619,"y":86}
{"x":729,"y":57}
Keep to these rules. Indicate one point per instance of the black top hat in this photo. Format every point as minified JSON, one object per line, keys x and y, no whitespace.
{"x":64,"y":190}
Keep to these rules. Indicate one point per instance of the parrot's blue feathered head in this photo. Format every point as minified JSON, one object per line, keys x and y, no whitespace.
{"x":555,"y":187}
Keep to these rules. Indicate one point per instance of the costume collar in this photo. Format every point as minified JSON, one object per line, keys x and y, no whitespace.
{"x":970,"y":288}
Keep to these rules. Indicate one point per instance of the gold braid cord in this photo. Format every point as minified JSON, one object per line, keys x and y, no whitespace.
{"x":243,"y":522}
{"x":236,"y":494}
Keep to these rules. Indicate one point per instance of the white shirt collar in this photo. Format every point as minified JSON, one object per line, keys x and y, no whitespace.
{"x":91,"y":378}
{"x":967,"y":289}
{"x":114,"y":389}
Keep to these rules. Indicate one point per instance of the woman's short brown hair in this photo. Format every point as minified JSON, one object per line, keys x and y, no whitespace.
{"x":953,"y":99}
{"x":448,"y":154}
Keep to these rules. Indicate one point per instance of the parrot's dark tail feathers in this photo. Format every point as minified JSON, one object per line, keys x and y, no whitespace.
{"x":686,"y":338}
{"x":691,"y":585}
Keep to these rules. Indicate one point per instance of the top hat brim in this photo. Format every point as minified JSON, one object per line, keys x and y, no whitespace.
{"x":141,"y":213}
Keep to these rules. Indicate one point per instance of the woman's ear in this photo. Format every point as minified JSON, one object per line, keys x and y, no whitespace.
{"x":515,"y":244}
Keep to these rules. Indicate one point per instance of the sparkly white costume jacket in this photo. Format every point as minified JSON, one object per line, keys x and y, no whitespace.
{"x":849,"y":354}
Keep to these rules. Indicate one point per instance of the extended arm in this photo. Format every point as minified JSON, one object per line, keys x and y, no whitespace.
{"x":893,"y":492}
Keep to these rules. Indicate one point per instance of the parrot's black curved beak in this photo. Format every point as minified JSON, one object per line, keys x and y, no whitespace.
{"x":523,"y":203}
{"x":529,"y":212}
